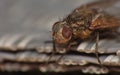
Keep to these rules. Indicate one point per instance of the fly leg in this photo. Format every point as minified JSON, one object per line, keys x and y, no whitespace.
{"x":67,"y":49}
{"x":96,"y":48}
{"x":53,"y":52}
{"x":63,"y":54}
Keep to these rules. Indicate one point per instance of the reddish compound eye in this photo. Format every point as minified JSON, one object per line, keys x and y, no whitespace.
{"x":66,"y":32}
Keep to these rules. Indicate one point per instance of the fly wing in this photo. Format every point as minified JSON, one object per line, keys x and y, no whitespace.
{"x":104,"y":21}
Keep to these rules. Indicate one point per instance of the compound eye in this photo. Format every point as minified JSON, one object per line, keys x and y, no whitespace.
{"x":66,"y":32}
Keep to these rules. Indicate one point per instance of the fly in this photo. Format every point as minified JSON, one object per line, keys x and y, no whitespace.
{"x":83,"y":23}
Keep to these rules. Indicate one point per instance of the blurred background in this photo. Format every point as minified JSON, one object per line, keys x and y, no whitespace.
{"x":34,"y":16}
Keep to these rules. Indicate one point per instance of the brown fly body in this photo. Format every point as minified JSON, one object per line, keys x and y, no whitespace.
{"x":83,"y":23}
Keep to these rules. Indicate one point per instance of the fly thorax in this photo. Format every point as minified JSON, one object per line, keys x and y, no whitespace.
{"x":81,"y":33}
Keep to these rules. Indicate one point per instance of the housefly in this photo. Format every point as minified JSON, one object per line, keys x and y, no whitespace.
{"x":81,"y":24}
